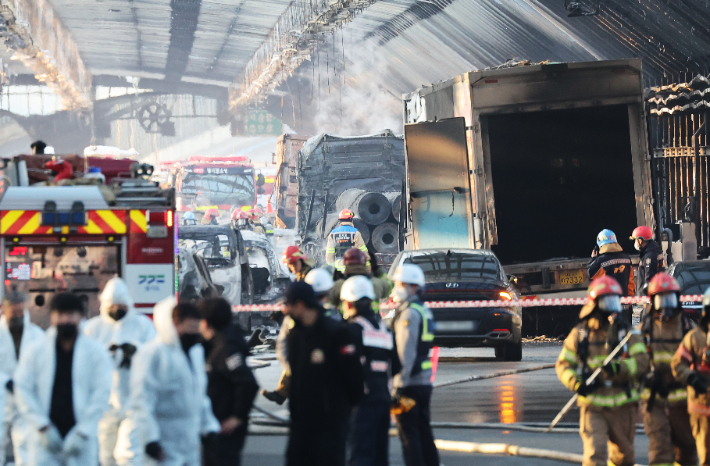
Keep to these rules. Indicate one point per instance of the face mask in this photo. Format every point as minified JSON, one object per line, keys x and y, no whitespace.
{"x":16,"y":322}
{"x":67,"y":331}
{"x":188,"y":340}
{"x":399,"y":294}
{"x":636,"y":245}
{"x":117,"y":314}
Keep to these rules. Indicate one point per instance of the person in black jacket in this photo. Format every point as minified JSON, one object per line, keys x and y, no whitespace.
{"x":326,"y":381}
{"x":651,"y":256}
{"x":608,"y":258}
{"x":231,"y":385}
{"x":371,"y":418}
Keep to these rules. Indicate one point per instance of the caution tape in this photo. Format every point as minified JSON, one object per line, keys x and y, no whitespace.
{"x":485,"y":303}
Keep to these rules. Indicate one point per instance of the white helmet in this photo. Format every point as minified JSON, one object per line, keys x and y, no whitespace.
{"x":357,"y":287}
{"x":320,"y":280}
{"x":410,"y":274}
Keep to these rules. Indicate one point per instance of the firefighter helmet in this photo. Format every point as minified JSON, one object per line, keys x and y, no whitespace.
{"x":252,"y":215}
{"x":410,"y":274}
{"x":662,"y":283}
{"x":292,"y":254}
{"x":645,"y":233}
{"x":321,"y":280}
{"x":596,"y":293}
{"x":237,"y":214}
{"x":211,"y":213}
{"x":605,"y":237}
{"x":357,"y":287}
{"x":346,"y":214}
{"x":354,"y":256}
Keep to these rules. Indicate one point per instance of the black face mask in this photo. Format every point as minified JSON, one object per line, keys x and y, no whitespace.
{"x":188,"y":340}
{"x":16,"y":322}
{"x":67,"y":331}
{"x":117,"y":314}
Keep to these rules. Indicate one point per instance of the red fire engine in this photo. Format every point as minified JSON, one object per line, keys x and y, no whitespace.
{"x":75,"y":238}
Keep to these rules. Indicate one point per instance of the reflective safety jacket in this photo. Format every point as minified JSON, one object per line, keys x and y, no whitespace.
{"x":662,"y":340}
{"x":613,"y":391}
{"x":376,"y":343}
{"x":690,"y":357}
{"x":614,"y":262}
{"x":414,"y":336}
{"x":342,"y":238}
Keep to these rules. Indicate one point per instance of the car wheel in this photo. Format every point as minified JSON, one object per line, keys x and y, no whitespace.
{"x":510,"y":351}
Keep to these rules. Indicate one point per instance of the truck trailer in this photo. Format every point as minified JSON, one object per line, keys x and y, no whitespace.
{"x":531,"y":162}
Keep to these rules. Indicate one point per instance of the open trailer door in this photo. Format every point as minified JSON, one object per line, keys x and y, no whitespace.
{"x":438,"y":187}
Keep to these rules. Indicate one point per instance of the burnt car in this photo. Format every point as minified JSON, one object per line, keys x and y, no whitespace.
{"x":269,"y":278}
{"x":469,"y":275}
{"x":223,"y":252}
{"x":693,"y":278}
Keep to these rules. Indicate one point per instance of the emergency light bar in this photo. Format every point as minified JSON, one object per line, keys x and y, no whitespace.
{"x":75,"y":217}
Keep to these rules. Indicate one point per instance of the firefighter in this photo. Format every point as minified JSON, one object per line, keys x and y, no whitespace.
{"x":341,"y":238}
{"x":413,"y":325}
{"x":188,"y":219}
{"x":210,"y":217}
{"x":691,"y":367}
{"x":371,"y":418}
{"x":609,"y":259}
{"x":651,"y":256}
{"x":327,"y":381}
{"x":297,"y":262}
{"x":355,"y":263}
{"x":240,"y":220}
{"x":322,"y":283}
{"x":665,"y":413}
{"x":607,"y":406}
{"x":255,"y":222}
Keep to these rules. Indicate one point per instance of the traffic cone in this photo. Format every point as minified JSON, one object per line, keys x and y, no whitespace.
{"x":269,"y":209}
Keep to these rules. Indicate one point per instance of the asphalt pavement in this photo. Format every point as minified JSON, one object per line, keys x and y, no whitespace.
{"x":531,"y":398}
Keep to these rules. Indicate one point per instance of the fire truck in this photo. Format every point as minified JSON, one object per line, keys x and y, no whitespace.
{"x":75,"y":237}
{"x":207,"y":182}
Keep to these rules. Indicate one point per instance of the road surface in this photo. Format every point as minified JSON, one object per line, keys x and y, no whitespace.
{"x":533,"y":397}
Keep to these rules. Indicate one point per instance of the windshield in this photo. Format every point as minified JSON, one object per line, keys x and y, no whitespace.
{"x":453,"y":266}
{"x":693,"y":279}
{"x":221,"y":189}
{"x":216,"y":250}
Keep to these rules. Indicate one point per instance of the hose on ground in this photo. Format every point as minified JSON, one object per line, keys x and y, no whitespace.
{"x":473,"y":378}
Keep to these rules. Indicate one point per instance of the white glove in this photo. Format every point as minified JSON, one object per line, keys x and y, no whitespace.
{"x":74,"y":443}
{"x":51,"y":439}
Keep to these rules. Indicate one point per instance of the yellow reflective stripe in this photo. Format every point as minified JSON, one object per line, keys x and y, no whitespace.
{"x":631,"y":365}
{"x":363,"y":248}
{"x":568,"y":376}
{"x":426,"y":365}
{"x":662,"y":357}
{"x":330,"y":250}
{"x":568,"y":355}
{"x":637,"y":348}
{"x":680,"y":394}
{"x":611,"y":401}
{"x":426,"y":335}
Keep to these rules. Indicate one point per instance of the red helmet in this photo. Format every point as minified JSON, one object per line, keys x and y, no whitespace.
{"x":252,"y":214}
{"x":601,"y":286}
{"x":292,"y":254}
{"x":346,"y":214}
{"x":211,"y":213}
{"x":662,"y":283}
{"x":645,"y":233}
{"x":354,"y":256}
{"x":258,"y":210}
{"x":237,"y":214}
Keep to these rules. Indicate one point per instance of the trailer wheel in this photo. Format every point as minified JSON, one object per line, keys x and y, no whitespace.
{"x":510,"y":351}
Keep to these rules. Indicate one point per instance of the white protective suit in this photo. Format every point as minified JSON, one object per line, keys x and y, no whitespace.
{"x":134,"y":328}
{"x":168,"y":402}
{"x":91,"y":386}
{"x":19,"y":430}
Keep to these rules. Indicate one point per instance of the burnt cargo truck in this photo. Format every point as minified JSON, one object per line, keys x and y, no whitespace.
{"x":362,"y":173}
{"x":286,"y":192}
{"x":531,"y":162}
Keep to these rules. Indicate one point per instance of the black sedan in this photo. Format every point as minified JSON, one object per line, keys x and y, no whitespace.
{"x":693,"y":278}
{"x":469,"y":275}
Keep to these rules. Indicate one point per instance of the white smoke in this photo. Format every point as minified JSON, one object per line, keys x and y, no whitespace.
{"x":351,"y":98}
